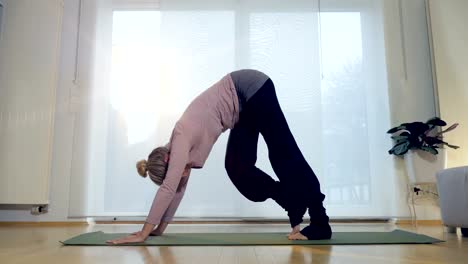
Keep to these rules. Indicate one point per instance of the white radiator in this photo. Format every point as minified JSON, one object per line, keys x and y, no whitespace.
{"x":29,"y":56}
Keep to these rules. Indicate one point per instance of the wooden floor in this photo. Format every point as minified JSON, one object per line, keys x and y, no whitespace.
{"x":33,"y":244}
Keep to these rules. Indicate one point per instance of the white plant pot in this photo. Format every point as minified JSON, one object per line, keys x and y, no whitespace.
{"x":422,"y":166}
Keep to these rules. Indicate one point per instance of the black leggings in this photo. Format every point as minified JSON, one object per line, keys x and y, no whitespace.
{"x":298,"y":187}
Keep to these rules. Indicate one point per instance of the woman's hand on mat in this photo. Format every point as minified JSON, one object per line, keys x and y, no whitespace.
{"x":136,"y":237}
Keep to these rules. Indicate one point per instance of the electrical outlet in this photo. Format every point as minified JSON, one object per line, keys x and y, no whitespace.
{"x":39,"y":209}
{"x":424,"y":194}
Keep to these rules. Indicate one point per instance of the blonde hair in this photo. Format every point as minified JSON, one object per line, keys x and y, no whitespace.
{"x":156,"y":166}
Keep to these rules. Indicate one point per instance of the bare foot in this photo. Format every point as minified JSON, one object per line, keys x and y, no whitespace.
{"x":297,"y":236}
{"x":295,"y":230}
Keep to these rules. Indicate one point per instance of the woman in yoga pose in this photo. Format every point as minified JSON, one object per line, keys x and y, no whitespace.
{"x":244,"y":101}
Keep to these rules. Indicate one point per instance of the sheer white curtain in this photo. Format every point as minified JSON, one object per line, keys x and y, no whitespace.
{"x":142,"y":62}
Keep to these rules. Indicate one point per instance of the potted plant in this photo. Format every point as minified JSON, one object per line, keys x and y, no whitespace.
{"x":422,"y":146}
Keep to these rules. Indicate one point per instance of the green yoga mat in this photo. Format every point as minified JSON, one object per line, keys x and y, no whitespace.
{"x":247,"y":239}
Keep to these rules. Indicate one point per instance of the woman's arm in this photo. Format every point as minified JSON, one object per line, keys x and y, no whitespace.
{"x":166,"y":193}
{"x":148,"y":229}
{"x":169,"y":214}
{"x":171,"y":210}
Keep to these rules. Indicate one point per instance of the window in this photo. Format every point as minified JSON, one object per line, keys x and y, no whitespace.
{"x":329,"y":71}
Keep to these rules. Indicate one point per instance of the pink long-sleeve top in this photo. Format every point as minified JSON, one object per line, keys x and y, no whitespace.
{"x":208,"y":115}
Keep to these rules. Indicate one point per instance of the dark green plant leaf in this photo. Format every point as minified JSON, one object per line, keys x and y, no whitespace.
{"x":396,"y":129}
{"x":400,"y":148}
{"x":431,"y":150}
{"x":400,"y":137}
{"x":435,"y":121}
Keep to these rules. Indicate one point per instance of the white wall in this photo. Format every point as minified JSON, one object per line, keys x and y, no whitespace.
{"x":410,"y":80}
{"x":411,"y":98}
{"x":450,"y":40}
{"x":409,"y":72}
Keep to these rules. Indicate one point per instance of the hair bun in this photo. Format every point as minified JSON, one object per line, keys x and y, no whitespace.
{"x":142,"y":168}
